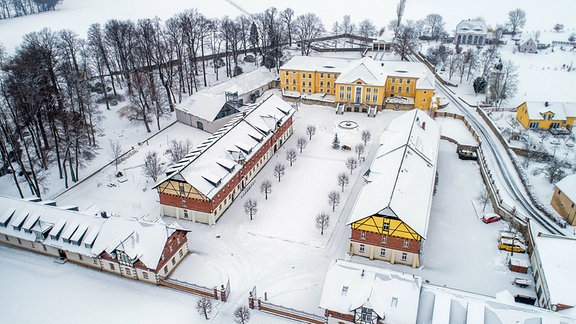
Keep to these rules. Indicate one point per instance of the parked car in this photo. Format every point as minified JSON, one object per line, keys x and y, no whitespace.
{"x":511,"y":236}
{"x":511,"y":246}
{"x":464,"y":154}
{"x":490,"y":218}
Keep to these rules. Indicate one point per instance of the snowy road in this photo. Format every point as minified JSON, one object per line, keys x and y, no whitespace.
{"x":508,"y":181}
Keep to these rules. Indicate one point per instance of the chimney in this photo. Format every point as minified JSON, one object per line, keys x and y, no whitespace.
{"x":546,"y":104}
{"x":362,"y":275}
{"x":539,"y":234}
{"x":423,"y":125}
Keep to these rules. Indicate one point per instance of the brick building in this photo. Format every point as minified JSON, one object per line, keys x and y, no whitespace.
{"x":131,"y":248}
{"x":204,"y":184}
{"x":390,"y":217}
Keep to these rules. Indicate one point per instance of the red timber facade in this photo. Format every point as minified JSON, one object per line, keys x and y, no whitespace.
{"x":206,"y":182}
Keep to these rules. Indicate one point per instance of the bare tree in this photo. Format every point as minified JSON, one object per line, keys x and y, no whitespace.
{"x":251,"y":207}
{"x":366,"y":135}
{"x":366,"y":28}
{"x":287,"y":17}
{"x":279,"y":170}
{"x":405,"y":40}
{"x":351,"y":164}
{"x":503,"y":82}
{"x":241,"y":314}
{"x":554,"y":170}
{"x":359,"y":149}
{"x":399,"y":13}
{"x":179,"y":149}
{"x":291,"y":156}
{"x":266,"y":188}
{"x":204,"y":306}
{"x":322,"y":222}
{"x":435,"y":24}
{"x":484,"y":198}
{"x":153,"y":166}
{"x":307,"y":27}
{"x":516,"y":19}
{"x":115,"y":150}
{"x":310,"y":131}
{"x":343,"y":180}
{"x":333,"y":199}
{"x":301,"y":143}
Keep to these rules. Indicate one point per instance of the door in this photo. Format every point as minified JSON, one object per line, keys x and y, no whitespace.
{"x":358,"y":95}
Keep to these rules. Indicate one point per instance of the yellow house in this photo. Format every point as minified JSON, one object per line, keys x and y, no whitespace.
{"x":546,"y":115}
{"x":386,"y":223}
{"x":564,"y":199}
{"x":359,"y":84}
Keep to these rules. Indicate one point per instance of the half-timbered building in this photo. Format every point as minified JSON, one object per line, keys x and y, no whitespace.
{"x":390,"y":217}
{"x":131,"y":248}
{"x":204,"y":184}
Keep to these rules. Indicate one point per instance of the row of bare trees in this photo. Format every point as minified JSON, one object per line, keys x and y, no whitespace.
{"x":17,"y":8}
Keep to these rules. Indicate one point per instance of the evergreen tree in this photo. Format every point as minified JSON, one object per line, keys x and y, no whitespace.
{"x":336,"y":142}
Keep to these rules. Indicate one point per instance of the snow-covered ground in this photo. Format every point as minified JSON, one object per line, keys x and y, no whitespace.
{"x":280,"y":251}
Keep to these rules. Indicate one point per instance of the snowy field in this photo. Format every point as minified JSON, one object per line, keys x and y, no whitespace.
{"x":280,"y":252}
{"x":77,"y":15}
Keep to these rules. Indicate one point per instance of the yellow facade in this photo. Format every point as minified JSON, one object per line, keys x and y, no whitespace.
{"x":310,"y":82}
{"x":546,"y":121}
{"x":181,"y":189}
{"x":386,"y":226}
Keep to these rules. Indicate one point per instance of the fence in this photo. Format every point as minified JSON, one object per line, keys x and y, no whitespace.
{"x":286,"y":312}
{"x":221,"y":294}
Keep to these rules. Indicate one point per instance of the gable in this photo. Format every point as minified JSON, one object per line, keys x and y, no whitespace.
{"x":171,"y":187}
{"x":395,"y":227}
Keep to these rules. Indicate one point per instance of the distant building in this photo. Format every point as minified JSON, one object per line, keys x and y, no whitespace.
{"x":546,"y":115}
{"x":131,"y":248}
{"x":564,"y":198}
{"x":553,"y":262}
{"x":359,"y":85}
{"x":204,"y":184}
{"x":390,"y":217}
{"x":356,"y":293}
{"x":471,"y":32}
{"x":213,"y":107}
{"x":528,"y":46}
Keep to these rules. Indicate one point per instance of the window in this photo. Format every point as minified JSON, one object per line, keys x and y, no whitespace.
{"x":293,"y":88}
{"x":293,"y":81}
{"x":310,"y":76}
{"x":368,"y":89}
{"x":145,"y":275}
{"x":404,"y":256}
{"x":362,"y":248}
{"x":400,"y":80}
{"x":304,"y":75}
{"x":534,"y":125}
{"x":392,"y":88}
{"x":363,"y":235}
{"x":366,"y":315}
{"x":408,"y":81}
{"x":128,"y":272}
{"x":328,"y":84}
{"x":382,"y":252}
{"x":321,"y":83}
{"x":293,"y":73}
{"x":321,"y":90}
{"x":111,"y":266}
{"x":181,"y":188}
{"x":407,"y":89}
{"x":180,"y":253}
{"x":342,"y":88}
{"x":328,"y":75}
{"x":344,"y":290}
{"x":399,"y":89}
{"x":406,"y":242}
{"x":367,"y":97}
{"x":185,"y":213}
{"x":184,"y":202}
{"x":310,"y":83}
{"x":304,"y":83}
{"x":327,"y":90}
{"x":173,"y":261}
{"x":165,"y":270}
{"x":384,"y":239}
{"x":287,"y":80}
{"x":341,"y":95}
{"x":348,"y":96}
{"x":80,"y":257}
{"x":423,"y":99}
{"x":348,"y":88}
{"x":321,"y":75}
{"x":286,"y":73}
{"x":375,"y":98}
{"x":386,"y":227}
{"x":393,"y":80}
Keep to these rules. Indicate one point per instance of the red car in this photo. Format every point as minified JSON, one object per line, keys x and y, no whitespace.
{"x":490,"y":218}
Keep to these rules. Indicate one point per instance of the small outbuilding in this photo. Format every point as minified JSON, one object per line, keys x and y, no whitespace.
{"x":528,"y":46}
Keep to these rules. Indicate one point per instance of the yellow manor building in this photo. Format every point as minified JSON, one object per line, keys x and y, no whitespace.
{"x":546,"y":115}
{"x":359,"y":84}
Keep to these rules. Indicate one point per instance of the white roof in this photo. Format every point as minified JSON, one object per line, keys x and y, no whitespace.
{"x":455,"y":306}
{"x":206,"y":104}
{"x":365,"y":69}
{"x":568,"y":186}
{"x":316,"y":63}
{"x":392,"y":295}
{"x":561,"y":110}
{"x":210,"y":168}
{"x":471,"y":27}
{"x":400,"y":181}
{"x":141,"y":240}
{"x":558,"y":271}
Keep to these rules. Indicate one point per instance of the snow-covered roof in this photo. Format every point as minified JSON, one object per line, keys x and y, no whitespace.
{"x":557,"y":271}
{"x":446,"y":305}
{"x":568,"y":186}
{"x":211,"y":165}
{"x":471,"y":27}
{"x":316,"y":63}
{"x":365,"y":69}
{"x":206,"y":104}
{"x":561,"y":110}
{"x":83,"y":233}
{"x":392,"y":295}
{"x":400,"y":181}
